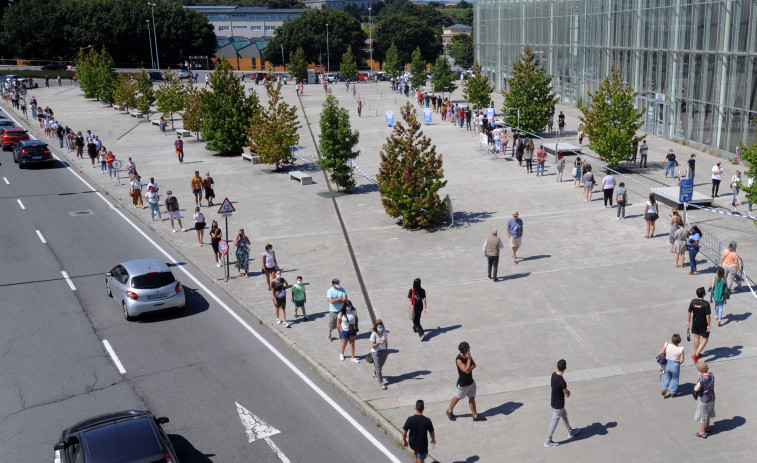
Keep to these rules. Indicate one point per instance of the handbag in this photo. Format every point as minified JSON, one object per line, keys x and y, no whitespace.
{"x":353,"y":330}
{"x":661,"y":360}
{"x":726,"y":292}
{"x":411,"y":308}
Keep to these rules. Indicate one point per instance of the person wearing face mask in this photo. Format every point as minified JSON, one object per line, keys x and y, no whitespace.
{"x":279,"y":293}
{"x":242,"y":242}
{"x":336,"y":296}
{"x":379,"y":350}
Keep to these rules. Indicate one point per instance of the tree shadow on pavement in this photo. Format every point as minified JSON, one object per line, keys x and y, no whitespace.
{"x":405,"y":376}
{"x":472,"y":217}
{"x":186,"y":451}
{"x":594,"y":429}
{"x":727,"y":425}
{"x":432,"y":333}
{"x":369,"y":187}
{"x":504,"y":409}
{"x":731,"y":318}
{"x":722,"y":353}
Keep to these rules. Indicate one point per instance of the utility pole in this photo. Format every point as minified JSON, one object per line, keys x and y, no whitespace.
{"x":149,"y":38}
{"x":328,"y":57}
{"x":370,"y":36}
{"x":157,"y":58}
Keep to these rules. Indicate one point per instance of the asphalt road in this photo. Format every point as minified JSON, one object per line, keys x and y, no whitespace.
{"x":192,"y":367}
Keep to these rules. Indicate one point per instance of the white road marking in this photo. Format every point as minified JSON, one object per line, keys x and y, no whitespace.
{"x":6,"y":181}
{"x":258,"y":429}
{"x":244,"y":324}
{"x":41,"y":238}
{"x":277,"y":450}
{"x":20,"y":204}
{"x":113,"y":356}
{"x":68,"y":280}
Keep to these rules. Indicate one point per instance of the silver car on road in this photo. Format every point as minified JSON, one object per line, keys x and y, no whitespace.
{"x":144,"y":285}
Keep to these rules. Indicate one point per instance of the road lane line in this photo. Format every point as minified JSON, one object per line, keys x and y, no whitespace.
{"x":20,"y":204}
{"x":341,"y":411}
{"x":6,"y":181}
{"x":41,"y":238}
{"x":68,"y":280}
{"x":114,"y":357}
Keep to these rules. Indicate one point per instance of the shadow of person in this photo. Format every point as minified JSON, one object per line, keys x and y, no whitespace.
{"x":722,"y":353}
{"x":432,"y":333}
{"x":504,"y":409}
{"x":540,"y":256}
{"x":731,"y":318}
{"x":594,"y":429}
{"x":187,"y":452}
{"x":405,"y":376}
{"x":470,"y":459}
{"x":727,"y":425}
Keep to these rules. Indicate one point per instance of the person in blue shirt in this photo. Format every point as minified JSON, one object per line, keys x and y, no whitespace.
{"x":337,"y":297}
{"x":515,"y":232}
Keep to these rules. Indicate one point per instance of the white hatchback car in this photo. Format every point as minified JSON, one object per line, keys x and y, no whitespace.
{"x":144,"y":285}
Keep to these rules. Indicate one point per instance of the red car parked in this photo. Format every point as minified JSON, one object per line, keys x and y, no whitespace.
{"x":362,"y":76}
{"x":9,"y":136}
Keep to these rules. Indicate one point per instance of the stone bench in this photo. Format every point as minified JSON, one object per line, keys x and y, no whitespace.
{"x":184,"y":133}
{"x":250,"y":156}
{"x":304,"y":178}
{"x":136,"y":114}
{"x":155,"y":122}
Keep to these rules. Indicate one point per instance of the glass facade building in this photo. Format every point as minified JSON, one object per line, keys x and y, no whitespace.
{"x":693,"y":63}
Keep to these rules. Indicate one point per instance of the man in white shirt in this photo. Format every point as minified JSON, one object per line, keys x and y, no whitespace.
{"x":496,"y":136}
{"x":717,"y":176}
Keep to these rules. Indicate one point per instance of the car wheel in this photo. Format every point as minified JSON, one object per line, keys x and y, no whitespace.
{"x":21,"y":165}
{"x":126,"y":313}
{"x":107,"y":288}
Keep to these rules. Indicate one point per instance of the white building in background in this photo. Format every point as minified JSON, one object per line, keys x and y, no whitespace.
{"x":246,"y":22}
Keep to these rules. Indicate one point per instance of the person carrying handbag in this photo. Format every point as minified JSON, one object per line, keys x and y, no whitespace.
{"x":418,"y":304}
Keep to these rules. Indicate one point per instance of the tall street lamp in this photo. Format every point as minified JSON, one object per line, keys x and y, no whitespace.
{"x":283,"y":61}
{"x":149,"y":38}
{"x":370,"y":36}
{"x":328,"y":56}
{"x":157,"y":58}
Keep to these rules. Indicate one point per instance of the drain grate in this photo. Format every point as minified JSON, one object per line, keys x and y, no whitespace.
{"x":80,"y":213}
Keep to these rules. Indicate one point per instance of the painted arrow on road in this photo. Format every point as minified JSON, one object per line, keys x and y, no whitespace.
{"x":258,"y":429}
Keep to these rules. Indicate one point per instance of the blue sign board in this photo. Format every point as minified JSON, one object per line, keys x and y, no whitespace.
{"x":687,"y":191}
{"x":490,"y":114}
{"x":427,"y":115}
{"x":389,"y":118}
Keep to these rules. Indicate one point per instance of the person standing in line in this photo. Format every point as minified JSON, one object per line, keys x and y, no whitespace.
{"x":242,"y":242}
{"x":561,"y":126}
{"x":621,"y":197}
{"x":650,"y":215}
{"x":379,"y":344}
{"x":585,"y":167}
{"x":172,"y":207}
{"x":153,"y":184}
{"x":580,"y":135}
{"x":79,"y":143}
{"x":466,"y":386}
{"x":496,"y":136}
{"x":541,"y":158}
{"x":199,"y":224}
{"x":729,"y":260}
{"x":671,"y":164}
{"x":492,"y":245}
{"x":551,"y":122}
{"x":101,"y":155}
{"x":153,"y":200}
{"x":675,"y":219}
{"x":716,"y":287}
{"x":717,"y":176}
{"x":691,"y":163}
{"x":516,"y":137}
{"x":179,"y":145}
{"x":270,"y":265}
{"x":635,"y":145}
{"x":299,"y":298}
{"x":577,"y":172}
{"x":215,"y":240}
{"x":559,"y":393}
{"x":699,"y":323}
{"x":608,"y":186}
{"x":735,"y":187}
{"x":195,"y":183}
{"x":515,"y":233}
{"x":417,"y":298}
{"x":279,"y":294}
{"x":92,"y":151}
{"x":679,"y":244}
{"x":348,"y":324}
{"x":693,"y":242}
{"x":528,"y":154}
{"x":209,"y":185}
{"x":336,"y":296}
{"x":467,"y":118}
{"x":136,"y":191}
{"x":643,"y":152}
{"x":674,"y":359}
{"x":588,"y":181}
{"x":705,"y":391}
{"x":414,"y":433}
{"x":504,"y":139}
{"x":109,"y":158}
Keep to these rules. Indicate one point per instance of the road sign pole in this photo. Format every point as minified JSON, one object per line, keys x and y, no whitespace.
{"x":226,"y":219}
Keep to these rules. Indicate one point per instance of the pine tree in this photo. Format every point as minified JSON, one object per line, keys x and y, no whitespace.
{"x":411,"y":174}
{"x":348,"y":68}
{"x":418,"y":68}
{"x":337,"y":142}
{"x":226,"y":111}
{"x":476,"y":89}
{"x":192,"y":115}
{"x":531,"y":92}
{"x":392,"y":66}
{"x":442,"y":79}
{"x":170,"y":95}
{"x":298,"y":66}
{"x":611,"y":120}
{"x":145,"y":93}
{"x":274,"y":129}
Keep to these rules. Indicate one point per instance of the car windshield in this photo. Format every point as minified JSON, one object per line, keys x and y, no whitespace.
{"x":127,"y":441}
{"x":152,"y":280}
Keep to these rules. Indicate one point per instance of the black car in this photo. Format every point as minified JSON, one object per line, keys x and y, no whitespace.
{"x":30,"y":152}
{"x":155,"y":75}
{"x":126,"y":437}
{"x":54,"y":67}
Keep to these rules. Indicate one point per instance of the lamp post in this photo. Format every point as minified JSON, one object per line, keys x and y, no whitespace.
{"x":370,"y":36}
{"x":149,"y":38}
{"x":157,"y":58}
{"x":328,"y":57}
{"x":283,"y":61}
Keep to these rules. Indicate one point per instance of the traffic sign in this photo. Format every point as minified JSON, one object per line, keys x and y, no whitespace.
{"x":116,"y":164}
{"x":223,"y":247}
{"x":687,"y":191}
{"x":226,"y":208}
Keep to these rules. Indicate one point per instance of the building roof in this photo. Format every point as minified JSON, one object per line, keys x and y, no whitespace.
{"x":459,"y":27}
{"x":242,"y":9}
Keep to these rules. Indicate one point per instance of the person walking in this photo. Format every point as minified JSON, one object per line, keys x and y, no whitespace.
{"x":675,"y":219}
{"x":650,"y":215}
{"x":674,"y":359}
{"x":379,"y":350}
{"x":270,"y":265}
{"x":693,"y":243}
{"x":466,"y":386}
{"x":359,"y":108}
{"x":643,"y":152}
{"x":717,"y":176}
{"x":337,"y":296}
{"x":519,"y":151}
{"x":528,"y":155}
{"x":172,"y":207}
{"x":515,"y":233}
{"x":199,"y":218}
{"x":348,"y":324}
{"x":735,"y":187}
{"x":671,"y":163}
{"x":136,"y":191}
{"x":577,"y":174}
{"x":279,"y":294}
{"x":299,"y":298}
{"x":705,"y":393}
{"x":588,"y":181}
{"x":492,"y":245}
{"x":699,"y":323}
{"x":679,"y":243}
{"x":208,"y":184}
{"x":608,"y":187}
{"x":729,"y":260}
{"x":541,"y":159}
{"x":692,"y":164}
{"x":581,"y":135}
{"x":162,"y":124}
{"x":717,"y":287}
{"x":179,"y":146}
{"x":242,"y":242}
{"x":195,"y":183}
{"x":417,"y":298}
{"x":621,"y":197}
{"x":560,"y":165}
{"x":215,"y":240}
{"x":559,"y":393}
{"x":561,"y":126}
{"x":153,"y":200}
{"x":414,"y":433}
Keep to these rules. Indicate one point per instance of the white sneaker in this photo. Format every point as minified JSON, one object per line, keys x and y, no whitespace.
{"x":174,"y":230}
{"x":551,"y":444}
{"x":341,"y":356}
{"x":286,"y":325}
{"x":354,"y":360}
{"x":218,"y":264}
{"x":278,"y":322}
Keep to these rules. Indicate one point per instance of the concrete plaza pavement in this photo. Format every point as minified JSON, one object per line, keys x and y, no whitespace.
{"x":588,"y":287}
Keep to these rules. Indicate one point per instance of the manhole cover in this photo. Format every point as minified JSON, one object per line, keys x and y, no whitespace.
{"x":78,"y":213}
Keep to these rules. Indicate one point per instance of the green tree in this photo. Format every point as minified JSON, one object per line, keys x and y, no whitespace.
{"x":192,"y":115}
{"x":348,"y":68}
{"x":274,"y":129}
{"x":442,"y":79}
{"x":298,"y":65}
{"x":337,"y":142}
{"x":408,"y":33}
{"x":170,"y":95}
{"x":411,"y":174}
{"x":461,"y":50}
{"x":611,"y":120}
{"x":104,"y":76}
{"x":748,"y":154}
{"x":418,"y":68}
{"x":476,"y":89}
{"x":393,"y":66}
{"x":530,"y":90}
{"x":125,"y":91}
{"x":226,"y":111}
{"x":85,"y":72}
{"x":145,"y":93}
